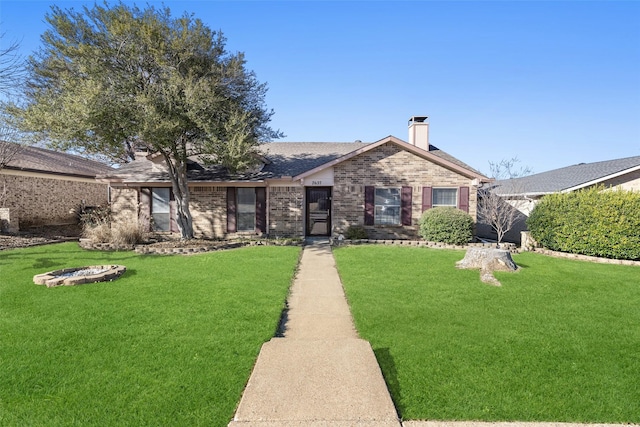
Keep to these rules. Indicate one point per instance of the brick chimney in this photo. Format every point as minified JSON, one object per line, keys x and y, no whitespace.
{"x":419,"y":132}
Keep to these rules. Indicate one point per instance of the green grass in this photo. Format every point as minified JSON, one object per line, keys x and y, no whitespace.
{"x":172,"y":342}
{"x":559,"y":341}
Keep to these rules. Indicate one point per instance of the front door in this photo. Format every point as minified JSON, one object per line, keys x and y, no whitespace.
{"x":318,"y":211}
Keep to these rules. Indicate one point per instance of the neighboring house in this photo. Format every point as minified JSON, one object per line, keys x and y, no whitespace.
{"x":306,"y":189}
{"x":525,"y":192}
{"x":43,"y":187}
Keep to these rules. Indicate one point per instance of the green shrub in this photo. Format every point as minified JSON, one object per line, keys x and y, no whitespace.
{"x":446,"y":224}
{"x":356,"y":232}
{"x":589,"y":222}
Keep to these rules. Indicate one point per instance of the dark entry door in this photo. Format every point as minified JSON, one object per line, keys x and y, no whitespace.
{"x":318,"y":211}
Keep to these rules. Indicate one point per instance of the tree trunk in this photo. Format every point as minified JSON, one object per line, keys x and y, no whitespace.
{"x":488,"y":260}
{"x":178,"y":174}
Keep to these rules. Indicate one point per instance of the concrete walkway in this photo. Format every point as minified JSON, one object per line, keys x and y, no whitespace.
{"x":320,"y":373}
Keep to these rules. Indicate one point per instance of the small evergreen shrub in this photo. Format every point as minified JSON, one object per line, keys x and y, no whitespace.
{"x":589,"y":222}
{"x":447,"y":225}
{"x":356,"y":232}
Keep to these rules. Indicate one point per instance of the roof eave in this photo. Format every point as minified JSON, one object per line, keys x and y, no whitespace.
{"x":601,"y":179}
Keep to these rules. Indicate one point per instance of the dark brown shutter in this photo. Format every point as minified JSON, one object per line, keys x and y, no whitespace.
{"x":261,"y":209}
{"x":405,"y":200}
{"x":426,"y":198}
{"x":463,"y":199}
{"x":231,"y":210}
{"x":145,"y":207}
{"x":369,"y":204}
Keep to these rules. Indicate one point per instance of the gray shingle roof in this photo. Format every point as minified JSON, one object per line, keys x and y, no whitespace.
{"x":35,"y":159}
{"x":284,"y":159}
{"x":558,"y":180}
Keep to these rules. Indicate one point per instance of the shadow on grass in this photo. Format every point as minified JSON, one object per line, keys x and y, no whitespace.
{"x":388,"y":367}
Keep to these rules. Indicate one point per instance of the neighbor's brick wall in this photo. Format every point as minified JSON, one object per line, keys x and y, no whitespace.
{"x":388,"y":166}
{"x":209,"y":211}
{"x":285,"y":211}
{"x":40,"y":201}
{"x":629,"y":181}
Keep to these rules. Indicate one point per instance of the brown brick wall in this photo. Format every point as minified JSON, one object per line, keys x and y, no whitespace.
{"x":124,"y":204}
{"x":209,"y":211}
{"x":37,"y":200}
{"x":388,"y":166}
{"x":285,"y":211}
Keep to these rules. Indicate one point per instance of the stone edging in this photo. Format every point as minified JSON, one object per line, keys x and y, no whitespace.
{"x":589,"y":258}
{"x":421,"y":243}
{"x":185,"y":250}
{"x":56,"y":278}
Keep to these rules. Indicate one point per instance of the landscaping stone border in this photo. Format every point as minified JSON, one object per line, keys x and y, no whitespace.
{"x":174,"y":248}
{"x":511,"y":247}
{"x":588,"y":258}
{"x":56,"y":278}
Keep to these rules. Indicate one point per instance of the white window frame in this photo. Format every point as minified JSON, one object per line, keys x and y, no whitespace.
{"x":433,"y":197}
{"x":377,"y":217}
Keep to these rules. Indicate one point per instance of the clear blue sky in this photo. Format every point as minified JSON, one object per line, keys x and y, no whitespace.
{"x":553,"y":83}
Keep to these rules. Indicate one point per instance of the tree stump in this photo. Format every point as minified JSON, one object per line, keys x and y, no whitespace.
{"x":488,"y":260}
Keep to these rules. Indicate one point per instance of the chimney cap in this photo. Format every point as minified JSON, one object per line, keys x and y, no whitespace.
{"x":418,"y":119}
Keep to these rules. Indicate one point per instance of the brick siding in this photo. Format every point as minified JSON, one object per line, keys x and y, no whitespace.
{"x":388,"y":166}
{"x":37,"y":200}
{"x":124,"y":204}
{"x":208,"y":208}
{"x":285,"y":211}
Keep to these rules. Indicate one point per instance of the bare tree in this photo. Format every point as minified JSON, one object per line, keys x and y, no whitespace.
{"x":11,"y":76}
{"x":12,"y":71}
{"x":493,"y":209}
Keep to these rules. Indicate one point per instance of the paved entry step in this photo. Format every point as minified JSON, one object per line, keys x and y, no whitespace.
{"x":316,"y":383}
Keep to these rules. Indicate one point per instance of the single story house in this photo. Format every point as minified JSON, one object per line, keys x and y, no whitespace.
{"x":43,"y":187}
{"x":525,"y":192}
{"x":306,"y":189}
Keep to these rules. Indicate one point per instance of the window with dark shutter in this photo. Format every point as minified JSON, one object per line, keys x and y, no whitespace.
{"x":369,"y":204}
{"x":406,"y":205}
{"x":463,"y":199}
{"x":426,"y":198}
{"x":231,"y":209}
{"x":261,"y":209}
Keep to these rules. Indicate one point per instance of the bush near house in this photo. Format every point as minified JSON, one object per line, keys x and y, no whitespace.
{"x":447,"y":225}
{"x":589,"y":222}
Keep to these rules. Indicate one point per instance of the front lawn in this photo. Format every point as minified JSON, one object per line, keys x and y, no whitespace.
{"x":559,"y":341}
{"x":171,"y":342}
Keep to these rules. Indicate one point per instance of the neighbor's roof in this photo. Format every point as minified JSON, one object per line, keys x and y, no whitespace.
{"x":568,"y":178}
{"x":283,"y":159}
{"x":35,"y":159}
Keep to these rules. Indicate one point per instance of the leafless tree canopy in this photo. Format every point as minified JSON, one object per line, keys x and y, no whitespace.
{"x":12,"y":70}
{"x":493,"y":209}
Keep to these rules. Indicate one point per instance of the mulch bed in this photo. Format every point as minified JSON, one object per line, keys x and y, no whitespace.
{"x":40,"y":236}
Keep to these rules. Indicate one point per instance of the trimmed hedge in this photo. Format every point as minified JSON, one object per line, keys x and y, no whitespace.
{"x":589,"y":222}
{"x":447,"y":225}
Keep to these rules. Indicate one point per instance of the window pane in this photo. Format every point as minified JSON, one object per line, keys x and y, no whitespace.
{"x":388,"y":196}
{"x":387,"y":215}
{"x":246,"y":209}
{"x":246,"y":221}
{"x":445,"y":197}
{"x":161,"y":222}
{"x":387,"y":209}
{"x":160,"y":200}
{"x":160,"y":210}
